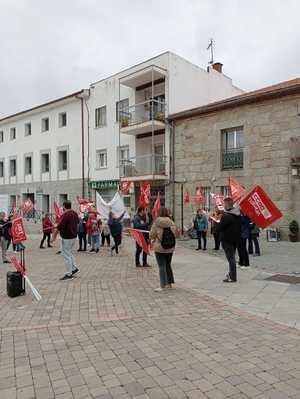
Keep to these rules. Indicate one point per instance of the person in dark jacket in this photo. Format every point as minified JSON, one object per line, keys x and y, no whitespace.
{"x":230,"y":232}
{"x":68,"y":228}
{"x":201,"y":227}
{"x":47,"y":230}
{"x":253,"y":239}
{"x":5,"y":226}
{"x":116,"y":228}
{"x":141,"y":222}
{"x":242,"y":247}
{"x":82,"y":232}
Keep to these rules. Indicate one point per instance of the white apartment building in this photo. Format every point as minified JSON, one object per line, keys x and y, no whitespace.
{"x":90,"y":140}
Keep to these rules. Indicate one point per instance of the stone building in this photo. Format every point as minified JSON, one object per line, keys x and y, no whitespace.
{"x":253,"y":137}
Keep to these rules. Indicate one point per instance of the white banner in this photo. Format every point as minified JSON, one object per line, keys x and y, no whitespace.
{"x":116,"y":205}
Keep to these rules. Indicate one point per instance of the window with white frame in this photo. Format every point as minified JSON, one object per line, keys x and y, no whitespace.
{"x":13,"y":133}
{"x":122,"y":154}
{"x":12,"y":167}
{"x":1,"y":168}
{"x":1,"y":136}
{"x":28,"y":165}
{"x":45,"y":124}
{"x":62,"y":119}
{"x":122,"y":106}
{"x":101,"y":159}
{"x":100,"y":116}
{"x":62,"y":160}
{"x":28,"y":129}
{"x":45,"y":162}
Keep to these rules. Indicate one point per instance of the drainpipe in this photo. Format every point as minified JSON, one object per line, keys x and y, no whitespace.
{"x":82,"y":149}
{"x":172,"y":166}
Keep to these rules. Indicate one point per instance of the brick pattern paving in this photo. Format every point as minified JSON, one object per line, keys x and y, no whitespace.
{"x":107,"y":335}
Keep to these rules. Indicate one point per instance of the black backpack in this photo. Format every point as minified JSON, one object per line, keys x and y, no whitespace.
{"x":168,"y":239}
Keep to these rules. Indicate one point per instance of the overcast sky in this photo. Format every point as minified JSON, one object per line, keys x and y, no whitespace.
{"x":50,"y":48}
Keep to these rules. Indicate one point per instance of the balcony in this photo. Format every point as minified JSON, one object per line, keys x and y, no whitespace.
{"x":152,"y":167}
{"x":143,"y":118}
{"x":233,"y":159}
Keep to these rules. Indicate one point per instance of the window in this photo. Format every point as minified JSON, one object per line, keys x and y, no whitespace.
{"x":62,"y":160}
{"x":123,"y":154}
{"x":28,"y":165}
{"x":122,"y":106}
{"x":1,"y":168}
{"x":13,"y":167}
{"x":12,"y":133}
{"x":45,"y":160}
{"x":62,"y":119}
{"x":101,"y":159}
{"x":100,"y":116}
{"x":224,"y":190}
{"x":1,"y":137}
{"x":232,"y":148}
{"x":45,"y":124}
{"x":207,"y":198}
{"x":27,"y":129}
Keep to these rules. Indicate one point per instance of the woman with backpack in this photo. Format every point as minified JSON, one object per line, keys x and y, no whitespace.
{"x":163,"y":233}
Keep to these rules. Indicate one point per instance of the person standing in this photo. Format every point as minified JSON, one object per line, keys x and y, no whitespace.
{"x":82,"y":234}
{"x":215,"y":220}
{"x":47,"y":230}
{"x":105,"y":234}
{"x":242,"y":247}
{"x":141,"y":222}
{"x":163,"y":232}
{"x":4,"y":236}
{"x":116,"y":228}
{"x":95,"y":228}
{"x":201,"y":226}
{"x":230,"y":232}
{"x":254,"y":234}
{"x":68,"y":228}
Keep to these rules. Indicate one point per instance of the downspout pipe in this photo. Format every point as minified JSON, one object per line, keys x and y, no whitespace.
{"x":82,"y":150}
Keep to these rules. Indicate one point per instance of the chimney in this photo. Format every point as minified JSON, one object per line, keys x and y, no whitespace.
{"x":217,"y":66}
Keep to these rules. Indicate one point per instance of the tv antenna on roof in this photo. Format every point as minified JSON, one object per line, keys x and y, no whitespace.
{"x":211,"y":46}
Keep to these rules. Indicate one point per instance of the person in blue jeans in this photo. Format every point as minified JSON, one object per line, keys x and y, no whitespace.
{"x":201,"y":227}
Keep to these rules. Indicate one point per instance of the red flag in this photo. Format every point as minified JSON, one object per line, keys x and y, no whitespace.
{"x":15,"y":213}
{"x":199,"y":198}
{"x":58,"y":212}
{"x":125,"y":185}
{"x":27,"y":206}
{"x":84,"y":204}
{"x":236,"y":189}
{"x":145,"y":194}
{"x":140,"y":239}
{"x":156,"y":206}
{"x":18,"y":265}
{"x":186,"y":199}
{"x":260,"y":208}
{"x":18,"y":231}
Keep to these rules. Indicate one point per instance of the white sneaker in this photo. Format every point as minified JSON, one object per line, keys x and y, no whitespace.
{"x":244,"y":267}
{"x":159,"y":289}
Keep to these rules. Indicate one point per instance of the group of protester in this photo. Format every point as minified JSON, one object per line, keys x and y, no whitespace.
{"x":6,"y":237}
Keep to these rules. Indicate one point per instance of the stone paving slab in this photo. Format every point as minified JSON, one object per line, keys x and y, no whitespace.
{"x":107,"y":335}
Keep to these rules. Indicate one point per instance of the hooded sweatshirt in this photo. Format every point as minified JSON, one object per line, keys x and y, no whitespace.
{"x":156,"y":233}
{"x":230,"y":226}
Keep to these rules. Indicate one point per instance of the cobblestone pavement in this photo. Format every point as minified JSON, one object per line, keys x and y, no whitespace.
{"x":107,"y":335}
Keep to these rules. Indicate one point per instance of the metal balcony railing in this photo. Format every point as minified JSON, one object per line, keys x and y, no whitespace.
{"x":144,"y":165}
{"x":143,"y":112}
{"x":233,"y":159}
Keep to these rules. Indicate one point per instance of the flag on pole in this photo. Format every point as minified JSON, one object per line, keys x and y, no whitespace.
{"x":156,"y":206}
{"x":58,"y":211}
{"x":125,"y":185}
{"x":145,"y":194}
{"x":84,"y":204}
{"x":236,"y":189}
{"x":22,"y":270}
{"x":18,"y":231}
{"x":258,"y":206}
{"x":27,"y":206}
{"x":138,"y":235}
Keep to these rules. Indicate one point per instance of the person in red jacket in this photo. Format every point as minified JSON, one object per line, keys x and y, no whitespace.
{"x":47,"y":230}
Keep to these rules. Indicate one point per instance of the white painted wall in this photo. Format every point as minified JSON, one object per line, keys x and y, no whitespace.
{"x":57,"y":137}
